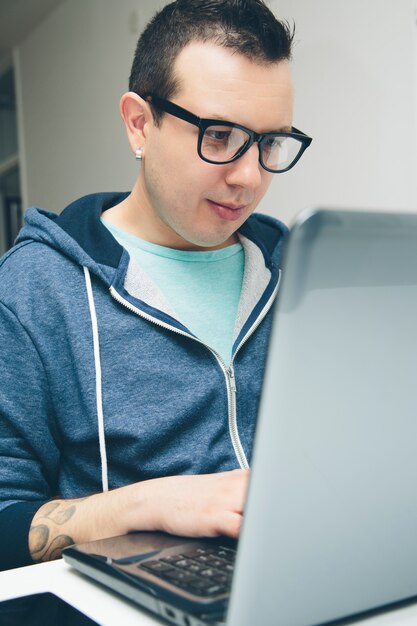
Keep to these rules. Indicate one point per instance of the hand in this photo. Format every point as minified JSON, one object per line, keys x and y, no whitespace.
{"x":198,"y":505}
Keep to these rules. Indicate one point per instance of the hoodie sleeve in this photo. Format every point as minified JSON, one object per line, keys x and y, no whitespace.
{"x":28,"y":452}
{"x":15,"y":522}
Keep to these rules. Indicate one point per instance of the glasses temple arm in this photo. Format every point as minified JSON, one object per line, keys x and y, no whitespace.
{"x":170,"y":107}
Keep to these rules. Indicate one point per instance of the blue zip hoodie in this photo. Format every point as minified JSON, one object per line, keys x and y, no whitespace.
{"x":100,"y":385}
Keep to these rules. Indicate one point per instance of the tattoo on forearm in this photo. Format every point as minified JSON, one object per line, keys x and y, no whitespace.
{"x":39,"y":536}
{"x":43,"y":546}
{"x":49,"y":508}
{"x":61,"y":515}
{"x":42,"y":549}
{"x":62,"y":512}
{"x":58,"y":544}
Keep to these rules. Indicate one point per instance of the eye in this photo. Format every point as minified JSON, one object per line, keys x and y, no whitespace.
{"x":221,"y":143}
{"x":217,"y":134}
{"x":273,"y":142}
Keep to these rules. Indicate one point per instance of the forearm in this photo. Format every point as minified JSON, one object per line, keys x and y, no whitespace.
{"x":202,"y":505}
{"x":60,"y":523}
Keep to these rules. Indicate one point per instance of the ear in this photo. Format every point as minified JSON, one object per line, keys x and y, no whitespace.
{"x":137,"y":118}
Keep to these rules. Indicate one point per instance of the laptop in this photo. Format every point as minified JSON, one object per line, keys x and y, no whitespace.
{"x":330,"y":523}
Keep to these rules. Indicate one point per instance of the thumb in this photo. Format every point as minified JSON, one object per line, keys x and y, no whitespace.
{"x":230,"y":524}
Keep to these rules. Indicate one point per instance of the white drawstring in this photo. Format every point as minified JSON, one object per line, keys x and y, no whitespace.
{"x":99,"y":399}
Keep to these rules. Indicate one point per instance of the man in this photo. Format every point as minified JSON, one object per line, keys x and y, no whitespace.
{"x":134,"y":327}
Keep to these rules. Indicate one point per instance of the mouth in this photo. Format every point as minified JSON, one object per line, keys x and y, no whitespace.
{"x":230,"y":212}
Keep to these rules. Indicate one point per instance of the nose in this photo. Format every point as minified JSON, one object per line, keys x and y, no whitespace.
{"x":246,"y":171}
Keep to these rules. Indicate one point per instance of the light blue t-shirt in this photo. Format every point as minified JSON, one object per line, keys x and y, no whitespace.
{"x":203,"y":288}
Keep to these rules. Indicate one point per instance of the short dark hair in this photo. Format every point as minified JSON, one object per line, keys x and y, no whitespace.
{"x":244,"y":26}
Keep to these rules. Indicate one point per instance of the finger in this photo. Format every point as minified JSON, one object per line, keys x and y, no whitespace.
{"x":229,"y":524}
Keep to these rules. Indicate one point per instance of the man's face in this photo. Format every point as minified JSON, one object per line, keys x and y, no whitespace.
{"x":191,"y":204}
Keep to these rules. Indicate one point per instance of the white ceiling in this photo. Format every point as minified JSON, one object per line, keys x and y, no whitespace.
{"x":18,"y":17}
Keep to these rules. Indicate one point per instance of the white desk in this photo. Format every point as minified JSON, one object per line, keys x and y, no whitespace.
{"x":103,"y":606}
{"x":110,"y":609}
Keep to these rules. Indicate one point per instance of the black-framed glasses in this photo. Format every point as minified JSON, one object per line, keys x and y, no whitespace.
{"x":222,"y":142}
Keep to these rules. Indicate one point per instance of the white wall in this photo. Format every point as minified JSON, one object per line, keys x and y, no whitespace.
{"x":356,"y":94}
{"x":74,"y":67}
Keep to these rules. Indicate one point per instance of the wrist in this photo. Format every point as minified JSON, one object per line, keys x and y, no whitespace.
{"x":139,"y":503}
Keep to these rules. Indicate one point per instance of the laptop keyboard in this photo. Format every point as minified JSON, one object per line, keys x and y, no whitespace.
{"x":202,"y":571}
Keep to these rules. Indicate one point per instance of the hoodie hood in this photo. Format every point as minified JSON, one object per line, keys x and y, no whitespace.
{"x":78,"y":233}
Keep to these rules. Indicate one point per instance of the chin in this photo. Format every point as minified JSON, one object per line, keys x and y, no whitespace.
{"x":218,"y":242}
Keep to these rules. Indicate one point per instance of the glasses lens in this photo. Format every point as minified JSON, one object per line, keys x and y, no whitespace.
{"x":222,"y":143}
{"x":279,"y":152}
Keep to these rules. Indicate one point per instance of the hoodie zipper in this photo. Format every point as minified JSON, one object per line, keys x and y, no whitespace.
{"x":234,"y":434}
{"x":229,"y":372}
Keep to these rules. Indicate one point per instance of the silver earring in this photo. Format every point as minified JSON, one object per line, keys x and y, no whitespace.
{"x":139,"y":154}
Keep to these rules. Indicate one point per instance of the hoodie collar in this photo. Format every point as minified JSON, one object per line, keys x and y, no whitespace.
{"x":81,"y":220}
{"x":79,"y":233}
